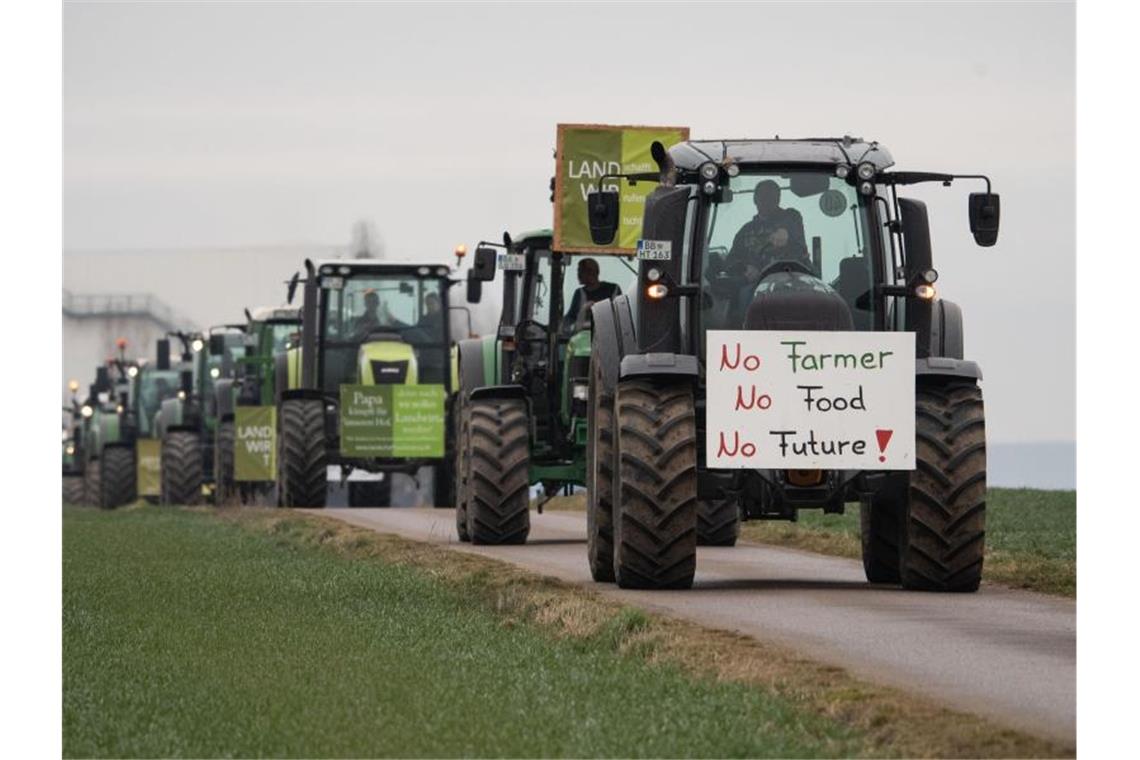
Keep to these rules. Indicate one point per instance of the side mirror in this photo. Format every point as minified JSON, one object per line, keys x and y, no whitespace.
{"x":186,"y":380}
{"x":603,"y":212}
{"x":474,"y":287}
{"x":916,"y":237}
{"x":162,"y":353}
{"x":985,"y":218}
{"x":102,"y":380}
{"x":292,"y":287}
{"x":217,"y":344}
{"x":483,"y":267}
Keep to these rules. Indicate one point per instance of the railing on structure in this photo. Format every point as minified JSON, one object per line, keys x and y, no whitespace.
{"x":142,"y":305}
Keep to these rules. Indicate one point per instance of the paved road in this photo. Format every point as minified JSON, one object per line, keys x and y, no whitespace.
{"x":1009,"y":655}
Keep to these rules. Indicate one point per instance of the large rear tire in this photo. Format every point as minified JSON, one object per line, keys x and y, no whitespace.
{"x":73,"y":493}
{"x":600,"y":477}
{"x":655,"y":515}
{"x":370,"y":493}
{"x":498,"y":507}
{"x":462,"y":471}
{"x":718,"y":522}
{"x":91,"y":487}
{"x":182,"y":471}
{"x":116,"y":477}
{"x":225,"y":489}
{"x":303,"y":462}
{"x":943,"y":540}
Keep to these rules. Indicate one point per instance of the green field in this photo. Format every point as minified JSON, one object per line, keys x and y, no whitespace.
{"x":1031,"y":537}
{"x":186,"y":635}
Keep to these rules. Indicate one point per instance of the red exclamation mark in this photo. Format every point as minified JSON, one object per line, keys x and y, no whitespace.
{"x":884,"y":437}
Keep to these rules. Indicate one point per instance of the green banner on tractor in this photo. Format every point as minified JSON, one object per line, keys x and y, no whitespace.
{"x":392,"y":421}
{"x":588,"y":152}
{"x":255,"y":443}
{"x":148,"y":464}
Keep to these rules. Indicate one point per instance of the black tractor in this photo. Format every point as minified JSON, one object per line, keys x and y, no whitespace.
{"x":779,"y":235}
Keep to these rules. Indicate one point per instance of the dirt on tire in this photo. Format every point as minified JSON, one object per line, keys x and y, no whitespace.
{"x":498,"y":503}
{"x":943,"y":538}
{"x":655,"y":514}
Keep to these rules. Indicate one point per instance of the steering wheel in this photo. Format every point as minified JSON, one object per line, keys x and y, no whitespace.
{"x":786,"y":265}
{"x":538,"y":331}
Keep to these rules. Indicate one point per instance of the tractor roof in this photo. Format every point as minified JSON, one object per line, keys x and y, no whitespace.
{"x":381,"y":267}
{"x":812,"y":150}
{"x":276,"y":314}
{"x":533,"y":235}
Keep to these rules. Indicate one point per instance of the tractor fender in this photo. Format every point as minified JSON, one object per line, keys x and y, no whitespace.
{"x":946,"y":336}
{"x":169,"y":415}
{"x":498,"y":391}
{"x":472,"y":366}
{"x":939,"y":366}
{"x":657,"y":365}
{"x":280,"y":375}
{"x":614,"y":336}
{"x":224,"y":398}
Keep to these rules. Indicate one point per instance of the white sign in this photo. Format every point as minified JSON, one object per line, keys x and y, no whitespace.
{"x":655,"y":250}
{"x":512,"y":262}
{"x":809,"y":400}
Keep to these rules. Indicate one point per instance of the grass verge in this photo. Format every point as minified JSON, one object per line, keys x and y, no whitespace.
{"x":1031,"y":536}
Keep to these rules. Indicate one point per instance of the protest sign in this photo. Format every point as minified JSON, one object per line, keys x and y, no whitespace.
{"x":255,"y":443}
{"x":809,"y":400}
{"x":148,"y":466}
{"x":392,"y":421}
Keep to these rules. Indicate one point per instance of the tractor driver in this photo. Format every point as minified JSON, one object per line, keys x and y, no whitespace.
{"x":433,"y":312}
{"x":774,"y":234}
{"x":375,"y":316}
{"x":593,"y":290}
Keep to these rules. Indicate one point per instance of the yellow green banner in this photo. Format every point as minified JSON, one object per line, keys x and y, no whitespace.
{"x":392,"y":421}
{"x":255,"y":443}
{"x":148,"y":466}
{"x":587,"y":153}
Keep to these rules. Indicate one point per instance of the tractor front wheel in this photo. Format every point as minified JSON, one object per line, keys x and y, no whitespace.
{"x":600,"y":477}
{"x":92,"y":491}
{"x":303,"y":464}
{"x":498,"y":506}
{"x":73,"y":489}
{"x":116,"y":477}
{"x":718,"y":522}
{"x":225,"y":490}
{"x":943,"y":537}
{"x":461,"y":471}
{"x":880,"y":522}
{"x":181,"y":468}
{"x":655,"y":514}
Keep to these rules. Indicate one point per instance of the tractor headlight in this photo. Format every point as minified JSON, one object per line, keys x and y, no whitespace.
{"x":86,"y":411}
{"x":657,"y":291}
{"x":866,"y":171}
{"x":581,"y":391}
{"x":197,"y":345}
{"x":926,"y":292}
{"x":345,"y":270}
{"x":653,"y":274}
{"x":708,"y":170}
{"x":442,"y":271}
{"x":866,"y":188}
{"x":181,"y":395}
{"x":423,"y":271}
{"x":709,"y":187}
{"x":132,"y":371}
{"x":119,"y":409}
{"x":930,"y":275}
{"x":70,"y":450}
{"x":215,"y":372}
{"x":842,"y":170}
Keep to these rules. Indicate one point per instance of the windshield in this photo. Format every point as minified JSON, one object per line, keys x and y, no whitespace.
{"x":804,"y":229}
{"x":155,"y":386}
{"x":378,"y":303}
{"x":586,"y":279}
{"x":279,"y":334}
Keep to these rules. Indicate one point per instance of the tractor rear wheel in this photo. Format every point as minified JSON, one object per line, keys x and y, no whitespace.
{"x":303,"y":464}
{"x":600,"y":478}
{"x":655,"y":514}
{"x":943,"y":537}
{"x":718,"y":522}
{"x":462,"y":468}
{"x":91,"y":487}
{"x":370,"y":493}
{"x":225,"y":490}
{"x":116,"y":477}
{"x":73,"y":489}
{"x":880,"y":522}
{"x":498,"y":506}
{"x":181,"y":468}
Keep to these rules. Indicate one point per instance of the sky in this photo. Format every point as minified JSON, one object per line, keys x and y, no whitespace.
{"x":193,"y":132}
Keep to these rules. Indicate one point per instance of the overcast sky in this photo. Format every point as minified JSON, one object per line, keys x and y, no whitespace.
{"x":230,"y":125}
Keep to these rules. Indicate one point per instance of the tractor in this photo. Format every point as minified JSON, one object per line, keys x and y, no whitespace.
{"x":185,"y":423}
{"x":104,"y":438}
{"x":269,"y":332}
{"x":368,"y":390}
{"x":521,"y":409}
{"x":861,"y":262}
{"x":72,"y":443}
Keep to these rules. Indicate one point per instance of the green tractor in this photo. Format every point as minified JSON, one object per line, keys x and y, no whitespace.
{"x":779,"y":235}
{"x":369,"y":388}
{"x":186,"y":423}
{"x":269,"y":334}
{"x":104,"y":441}
{"x":73,"y":491}
{"x":153,"y":383}
{"x":523,"y":392}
